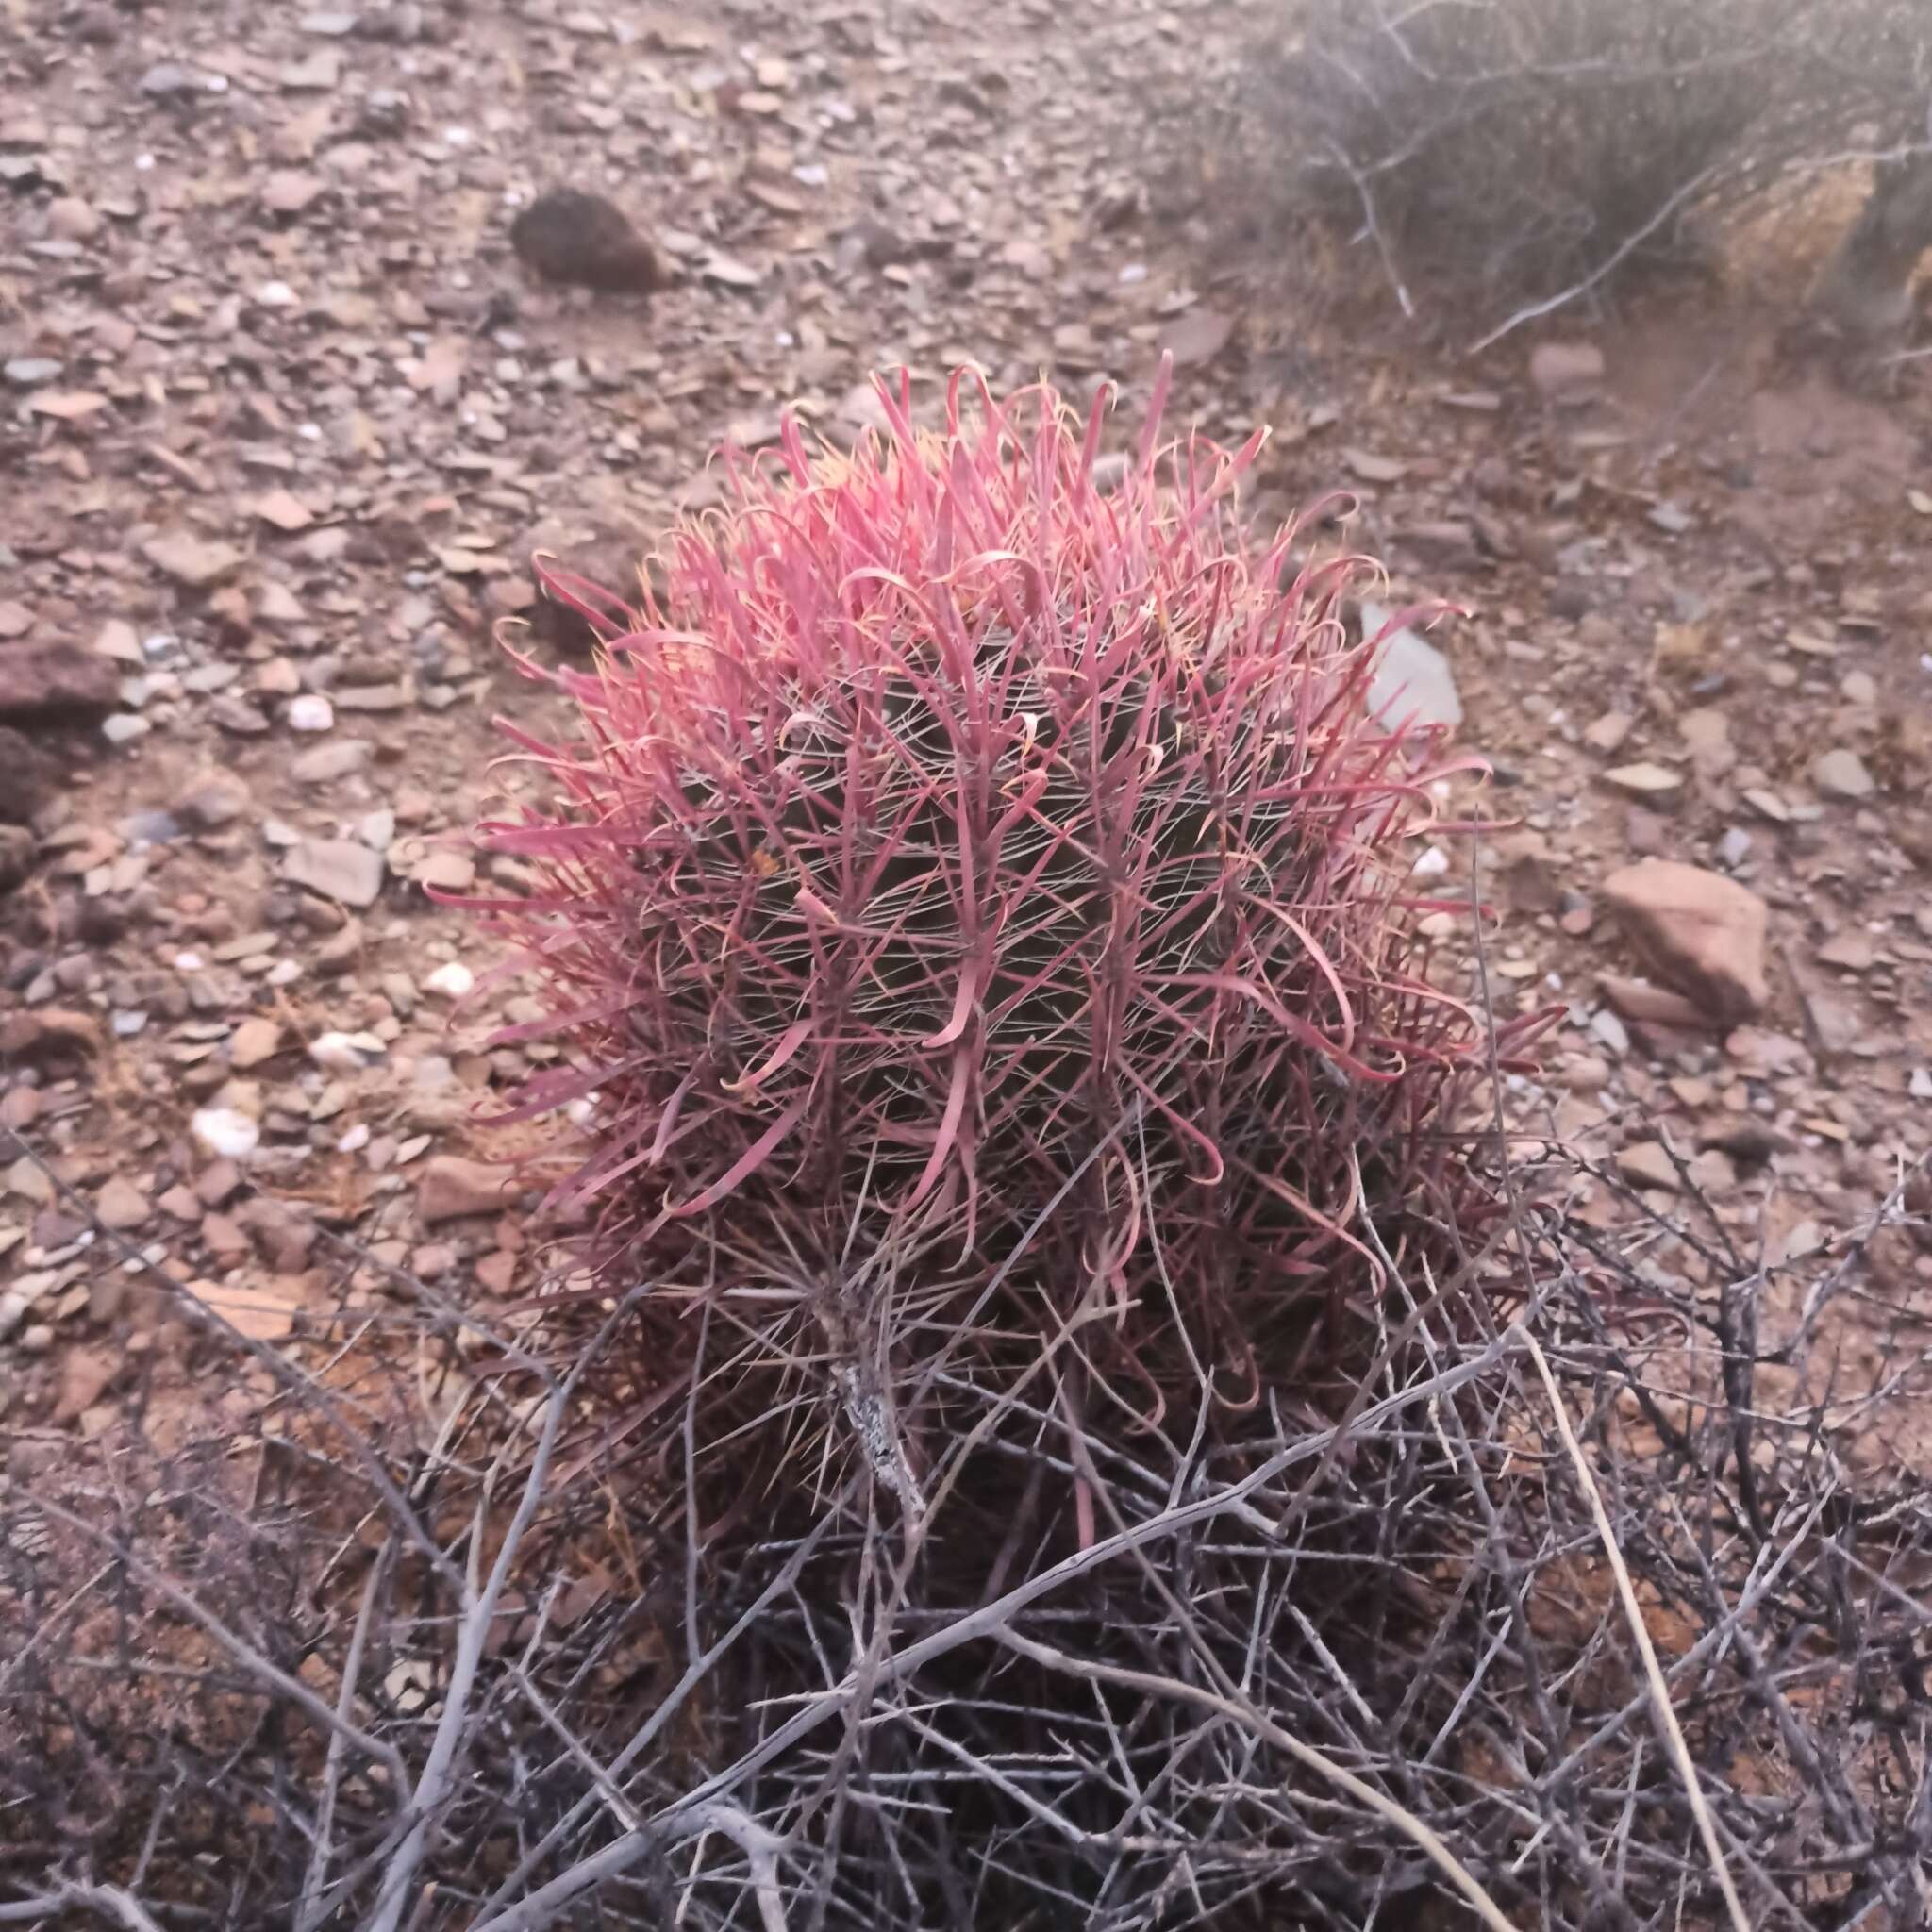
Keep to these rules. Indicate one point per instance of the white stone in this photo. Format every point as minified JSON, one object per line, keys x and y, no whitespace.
{"x":1412,"y":682}
{"x":225,"y":1133}
{"x":452,"y":981}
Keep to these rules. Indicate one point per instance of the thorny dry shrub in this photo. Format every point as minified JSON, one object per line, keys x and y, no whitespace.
{"x":1491,"y":159}
{"x":374,"y":1656}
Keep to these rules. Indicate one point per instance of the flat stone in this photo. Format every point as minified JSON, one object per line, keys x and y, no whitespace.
{"x":1644,"y":779}
{"x":121,"y":1206}
{"x":50,"y":681}
{"x":1637,"y":999}
{"x":1842,"y":775}
{"x":447,"y":872}
{"x":1701,"y":932}
{"x":372,"y":697}
{"x":1412,"y":681}
{"x":1569,"y":373}
{"x":339,"y":869}
{"x":1836,"y":1022}
{"x":190,"y":560}
{"x":1648,"y":1165}
{"x":452,"y":1188}
{"x":253,"y":1041}
{"x":324,"y":763}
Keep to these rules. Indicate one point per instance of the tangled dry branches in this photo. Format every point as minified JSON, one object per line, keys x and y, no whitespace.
{"x":398,"y":1649}
{"x":1498,"y":160}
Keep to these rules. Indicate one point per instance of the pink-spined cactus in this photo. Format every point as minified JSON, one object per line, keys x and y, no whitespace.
{"x":975,"y":904}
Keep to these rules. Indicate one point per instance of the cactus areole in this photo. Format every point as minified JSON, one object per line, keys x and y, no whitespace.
{"x":974,"y":907}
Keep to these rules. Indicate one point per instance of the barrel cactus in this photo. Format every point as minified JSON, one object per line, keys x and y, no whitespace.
{"x":976,"y":911}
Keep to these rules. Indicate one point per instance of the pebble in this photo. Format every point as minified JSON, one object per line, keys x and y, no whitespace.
{"x":225,"y":1133}
{"x":340,"y":869}
{"x":326,"y":763}
{"x":312,"y":712}
{"x":346,"y":1052}
{"x":1567,"y":372}
{"x":452,"y":1188}
{"x":1841,"y":774}
{"x":1412,"y":681}
{"x":253,"y":1041}
{"x":1646,"y":780}
{"x":1607,"y":1030}
{"x":1648,"y":1164}
{"x":121,"y":1206}
{"x":452,"y":981}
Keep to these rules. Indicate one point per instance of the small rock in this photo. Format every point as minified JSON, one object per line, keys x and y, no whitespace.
{"x":384,"y":113}
{"x":447,"y":872}
{"x":72,"y":219}
{"x":1567,"y":372}
{"x":1648,"y":1164}
{"x":47,"y":1034}
{"x":215,"y":800}
{"x":54,"y":682}
{"x":312,"y":712}
{"x":373,"y":698}
{"x":1842,"y":775}
{"x":283,"y":507}
{"x":1443,"y":544}
{"x":1699,"y":931}
{"x":346,"y":1052}
{"x":17,"y":848}
{"x":1607,"y":1030}
{"x":1835,"y":1022}
{"x":340,"y":869}
{"x":168,"y":80}
{"x":253,"y":1041}
{"x":1412,"y":681}
{"x":497,"y":1273}
{"x":1750,"y":1140}
{"x":29,"y":371}
{"x":190,"y":560}
{"x":568,"y":236}
{"x":85,"y":1377}
{"x":326,"y":763}
{"x":238,"y":716}
{"x":225,"y":1132}
{"x":452,"y":1188}
{"x":262,"y":1314}
{"x":121,"y":1206}
{"x":1644,"y":779}
{"x":1657,"y":1005}
{"x":451,"y":982}
{"x":218,"y":1183}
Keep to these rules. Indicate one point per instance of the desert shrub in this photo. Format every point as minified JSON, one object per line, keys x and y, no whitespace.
{"x":375,"y":1650}
{"x":1493,"y":157}
{"x":977,"y":905}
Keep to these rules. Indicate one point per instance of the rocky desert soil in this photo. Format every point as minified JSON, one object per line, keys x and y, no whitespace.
{"x":283,"y":418}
